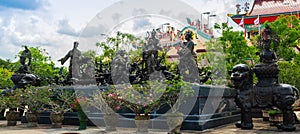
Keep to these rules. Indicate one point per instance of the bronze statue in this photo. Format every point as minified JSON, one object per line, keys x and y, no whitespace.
{"x":23,"y":69}
{"x":120,"y":68}
{"x":190,"y":44}
{"x":150,"y":53}
{"x":267,"y":92}
{"x":75,"y":56}
{"x":23,"y":77}
{"x":187,"y":66}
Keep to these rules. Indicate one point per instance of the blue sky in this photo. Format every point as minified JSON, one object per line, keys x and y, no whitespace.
{"x":22,"y":4}
{"x":55,"y":24}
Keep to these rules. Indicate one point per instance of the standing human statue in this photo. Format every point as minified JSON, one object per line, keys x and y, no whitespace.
{"x":75,"y":56}
{"x":120,"y":68}
{"x":190,"y":44}
{"x":150,"y":53}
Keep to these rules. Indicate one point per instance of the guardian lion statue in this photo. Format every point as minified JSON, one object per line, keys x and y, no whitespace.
{"x":264,"y":95}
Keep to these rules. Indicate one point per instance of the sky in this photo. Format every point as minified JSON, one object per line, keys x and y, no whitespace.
{"x":54,"y":25}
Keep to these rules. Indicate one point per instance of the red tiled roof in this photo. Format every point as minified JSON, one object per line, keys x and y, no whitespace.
{"x":274,"y":6}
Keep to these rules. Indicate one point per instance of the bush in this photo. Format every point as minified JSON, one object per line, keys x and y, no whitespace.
{"x":5,"y":81}
{"x":289,"y":73}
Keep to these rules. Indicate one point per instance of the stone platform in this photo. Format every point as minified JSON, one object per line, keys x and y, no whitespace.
{"x":260,"y":127}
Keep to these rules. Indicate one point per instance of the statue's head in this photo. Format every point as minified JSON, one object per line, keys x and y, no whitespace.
{"x":241,"y":75}
{"x":26,"y":49}
{"x":153,"y":33}
{"x":188,"y":35}
{"x":76,"y":43}
{"x":267,"y":33}
{"x":121,"y":52}
{"x":22,"y":59}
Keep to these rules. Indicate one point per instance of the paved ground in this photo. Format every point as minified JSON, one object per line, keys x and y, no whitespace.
{"x":261,"y":127}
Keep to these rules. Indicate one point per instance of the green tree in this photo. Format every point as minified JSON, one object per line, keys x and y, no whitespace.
{"x":42,"y":65}
{"x":288,"y":30}
{"x":113,"y":44}
{"x":5,"y":75}
{"x":235,"y":46}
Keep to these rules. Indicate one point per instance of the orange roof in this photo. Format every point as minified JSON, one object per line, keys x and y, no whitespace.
{"x":274,"y":6}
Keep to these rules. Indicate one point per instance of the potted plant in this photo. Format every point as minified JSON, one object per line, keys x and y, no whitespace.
{"x":275,"y":116}
{"x":78,"y":105}
{"x":12,"y":101}
{"x":35,"y":99}
{"x":297,"y":110}
{"x":109,"y":102}
{"x":177,"y":90}
{"x":143,"y":99}
{"x":59,"y":105}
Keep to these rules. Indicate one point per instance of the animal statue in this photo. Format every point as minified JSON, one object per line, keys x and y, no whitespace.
{"x":262,"y":95}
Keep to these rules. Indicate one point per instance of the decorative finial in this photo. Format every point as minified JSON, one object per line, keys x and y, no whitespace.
{"x":238,"y":8}
{"x":246,"y":8}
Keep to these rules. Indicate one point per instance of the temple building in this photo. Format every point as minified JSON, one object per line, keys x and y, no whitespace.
{"x":263,"y":10}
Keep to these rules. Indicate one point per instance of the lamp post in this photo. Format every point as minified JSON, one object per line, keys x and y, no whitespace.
{"x":213,"y":15}
{"x":201,"y":23}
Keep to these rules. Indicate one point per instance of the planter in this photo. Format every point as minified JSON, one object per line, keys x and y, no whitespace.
{"x":142,"y":123}
{"x":32,"y":118}
{"x":174,"y":121}
{"x":12,"y":117}
{"x":83,"y":120}
{"x":265,"y":115}
{"x":56,"y":119}
{"x":297,"y":113}
{"x":275,"y":119}
{"x":111,"y":122}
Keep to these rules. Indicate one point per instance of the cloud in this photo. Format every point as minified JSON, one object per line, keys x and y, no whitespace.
{"x":116,"y":16}
{"x":141,"y":23}
{"x":19,"y":27}
{"x":138,"y":11}
{"x":164,"y":12}
{"x":23,"y":4}
{"x":65,"y":28}
{"x":93,"y":31}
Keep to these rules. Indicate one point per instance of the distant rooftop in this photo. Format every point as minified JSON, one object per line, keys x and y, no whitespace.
{"x":274,"y":6}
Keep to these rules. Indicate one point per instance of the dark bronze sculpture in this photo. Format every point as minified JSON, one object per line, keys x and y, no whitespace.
{"x":74,"y":66}
{"x":267,"y":92}
{"x":190,"y":44}
{"x":150,"y":53}
{"x":187,"y":66}
{"x":120,"y":68}
{"x":121,"y":71}
{"x":22,"y":76}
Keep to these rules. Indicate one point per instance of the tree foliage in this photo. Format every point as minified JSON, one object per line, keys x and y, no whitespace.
{"x":235,"y":46}
{"x":114,"y":44}
{"x":288,"y":30}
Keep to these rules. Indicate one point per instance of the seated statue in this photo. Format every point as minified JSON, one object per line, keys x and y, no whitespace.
{"x":23,"y":77}
{"x":268,"y":56}
{"x":267,"y":71}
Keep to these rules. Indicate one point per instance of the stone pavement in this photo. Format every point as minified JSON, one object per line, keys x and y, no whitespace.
{"x":260,"y":127}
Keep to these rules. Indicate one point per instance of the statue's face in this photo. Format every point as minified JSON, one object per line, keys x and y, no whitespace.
{"x":22,"y":60}
{"x":76,"y":44}
{"x":267,"y":44}
{"x":240,"y":73}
